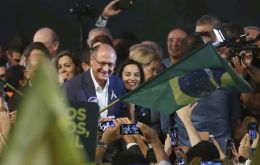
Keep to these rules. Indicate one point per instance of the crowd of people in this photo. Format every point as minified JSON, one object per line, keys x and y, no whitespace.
{"x":214,"y":129}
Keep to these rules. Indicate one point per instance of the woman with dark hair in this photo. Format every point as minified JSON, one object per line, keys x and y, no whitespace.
{"x":68,"y":65}
{"x":131,"y":72}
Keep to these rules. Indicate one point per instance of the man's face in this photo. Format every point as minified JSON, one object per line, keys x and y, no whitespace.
{"x":2,"y":72}
{"x":175,"y":38}
{"x":103,"y":63}
{"x":15,"y":58}
{"x":46,"y":38}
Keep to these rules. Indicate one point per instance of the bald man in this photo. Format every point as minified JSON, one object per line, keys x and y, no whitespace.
{"x":98,"y":84}
{"x":49,"y":38}
{"x":98,"y":31}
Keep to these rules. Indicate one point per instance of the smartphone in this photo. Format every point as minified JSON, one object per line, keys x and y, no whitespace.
{"x":104,"y":125}
{"x":128,"y":129}
{"x":251,"y":128}
{"x":173,"y":132}
{"x":124,"y":4}
{"x":211,"y":163}
{"x":180,"y":160}
{"x":229,"y":145}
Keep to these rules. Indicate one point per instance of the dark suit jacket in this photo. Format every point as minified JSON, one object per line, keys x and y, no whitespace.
{"x":81,"y":88}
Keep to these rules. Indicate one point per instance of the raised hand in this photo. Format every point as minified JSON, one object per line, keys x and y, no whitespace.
{"x":110,"y":10}
{"x":5,"y":123}
{"x":185,"y":112}
{"x":112,"y":134}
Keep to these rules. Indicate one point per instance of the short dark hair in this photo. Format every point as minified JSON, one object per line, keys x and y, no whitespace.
{"x":103,"y":39}
{"x":85,"y":56}
{"x":191,"y":43}
{"x":129,"y":158}
{"x":205,"y":150}
{"x":36,"y":45}
{"x":233,"y":30}
{"x":131,"y":62}
{"x":14,"y":74}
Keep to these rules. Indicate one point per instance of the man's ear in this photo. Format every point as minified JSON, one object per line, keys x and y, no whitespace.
{"x":56,"y":45}
{"x":23,"y":82}
{"x":85,"y":66}
{"x":27,"y":74}
{"x":91,"y":60}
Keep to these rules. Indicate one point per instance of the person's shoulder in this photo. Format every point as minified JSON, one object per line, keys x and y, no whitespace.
{"x":77,"y":80}
{"x":115,"y":79}
{"x":116,"y":83}
{"x":166,"y":62}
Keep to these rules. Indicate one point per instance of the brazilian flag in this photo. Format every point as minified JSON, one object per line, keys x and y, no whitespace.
{"x":194,"y":77}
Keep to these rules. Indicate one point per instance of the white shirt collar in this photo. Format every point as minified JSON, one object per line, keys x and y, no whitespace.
{"x":97,"y":86}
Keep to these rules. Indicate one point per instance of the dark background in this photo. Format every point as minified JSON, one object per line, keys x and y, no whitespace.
{"x":149,"y":19}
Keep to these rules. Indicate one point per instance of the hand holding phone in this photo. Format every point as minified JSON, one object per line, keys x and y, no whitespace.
{"x":104,"y":125}
{"x":173,"y":132}
{"x":229,"y":145}
{"x":251,"y":128}
{"x":211,"y":163}
{"x":129,"y":129}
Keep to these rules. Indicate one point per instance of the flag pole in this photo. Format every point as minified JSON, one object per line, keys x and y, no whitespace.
{"x":110,"y":105}
{"x":15,"y":90}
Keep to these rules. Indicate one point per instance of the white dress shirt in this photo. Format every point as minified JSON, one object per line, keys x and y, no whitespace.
{"x":102,"y":95}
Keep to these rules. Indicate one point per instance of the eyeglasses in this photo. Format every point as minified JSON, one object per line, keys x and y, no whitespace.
{"x":2,"y":76}
{"x":152,"y":69}
{"x":103,"y":64}
{"x":17,"y":60}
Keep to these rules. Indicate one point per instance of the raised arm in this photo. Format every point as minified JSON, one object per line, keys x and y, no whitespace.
{"x":185,"y":115}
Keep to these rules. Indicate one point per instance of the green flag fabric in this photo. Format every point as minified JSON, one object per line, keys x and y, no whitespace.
{"x":194,"y":77}
{"x":41,"y":135}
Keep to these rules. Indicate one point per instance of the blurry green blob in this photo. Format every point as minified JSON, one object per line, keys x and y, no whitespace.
{"x":40,"y":135}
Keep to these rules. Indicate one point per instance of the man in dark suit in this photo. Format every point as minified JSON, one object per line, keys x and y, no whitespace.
{"x":98,"y":84}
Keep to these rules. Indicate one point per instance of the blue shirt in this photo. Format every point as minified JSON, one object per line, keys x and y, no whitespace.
{"x":214,"y":114}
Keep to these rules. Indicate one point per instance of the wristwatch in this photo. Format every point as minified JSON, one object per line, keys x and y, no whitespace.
{"x":241,"y":159}
{"x":102,"y":144}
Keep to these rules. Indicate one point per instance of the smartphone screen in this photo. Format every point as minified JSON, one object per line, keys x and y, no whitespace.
{"x":229,"y":143}
{"x":104,"y":125}
{"x":211,"y":163}
{"x":124,"y":4}
{"x":180,"y":160}
{"x":252,"y":130}
{"x":128,"y":129}
{"x":173,"y":132}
